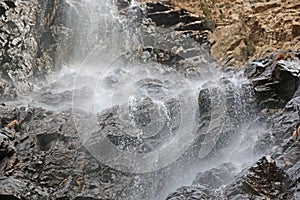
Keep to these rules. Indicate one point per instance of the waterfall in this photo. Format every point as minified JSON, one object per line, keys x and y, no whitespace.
{"x":147,"y":116}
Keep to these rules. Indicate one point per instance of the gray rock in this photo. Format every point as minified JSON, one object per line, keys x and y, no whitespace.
{"x":6,"y":147}
{"x":216,"y":177}
{"x":275,"y":78}
{"x":193,"y":192}
{"x":29,"y":47}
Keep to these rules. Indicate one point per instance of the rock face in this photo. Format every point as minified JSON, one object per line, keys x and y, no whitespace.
{"x":264,"y":180}
{"x":32,"y":34}
{"x":18,"y":45}
{"x":171,"y":36}
{"x":247,"y":30}
{"x":180,"y":20}
{"x":42,"y":155}
{"x":216,"y":177}
{"x":49,"y":160}
{"x":276,"y":84}
{"x":275,"y":78}
{"x":194,"y":192}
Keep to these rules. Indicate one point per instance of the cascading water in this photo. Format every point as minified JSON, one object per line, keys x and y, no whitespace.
{"x":159,"y":122}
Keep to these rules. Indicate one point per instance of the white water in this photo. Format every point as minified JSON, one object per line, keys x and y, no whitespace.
{"x":113,"y":80}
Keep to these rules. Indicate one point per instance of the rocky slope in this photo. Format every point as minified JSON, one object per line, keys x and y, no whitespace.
{"x":275,"y":176}
{"x":246,"y":30}
{"x":41,"y":152}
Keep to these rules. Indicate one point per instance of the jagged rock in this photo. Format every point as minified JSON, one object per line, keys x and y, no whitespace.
{"x":267,"y":180}
{"x":31,"y":32}
{"x":193,"y":192}
{"x":275,"y":78}
{"x":264,"y":180}
{"x":170,"y":36}
{"x":256,"y":28}
{"x":179,"y":20}
{"x":220,"y":114}
{"x":50,"y":162}
{"x":246,"y":30}
{"x":134,"y":126}
{"x":6,"y":149}
{"x":278,"y":137}
{"x":47,"y":159}
{"x":216,"y":177}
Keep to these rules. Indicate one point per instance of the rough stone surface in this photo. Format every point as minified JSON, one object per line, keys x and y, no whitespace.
{"x":275,"y":176}
{"x":49,"y":160}
{"x":41,"y":153}
{"x":275,"y":78}
{"x":262,"y":181}
{"x":247,"y":30}
{"x":193,"y":192}
{"x":171,"y":36}
{"x":32,"y":34}
{"x":216,"y":177}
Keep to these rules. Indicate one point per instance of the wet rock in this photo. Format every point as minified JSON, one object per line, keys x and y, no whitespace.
{"x":6,"y":148}
{"x":135,"y":126}
{"x":278,"y":75}
{"x":122,"y":5}
{"x":9,"y":197}
{"x":49,"y":161}
{"x":222,"y":110}
{"x":264,"y":180}
{"x":7,"y":91}
{"x":62,"y":100}
{"x":267,"y":180}
{"x":56,"y":38}
{"x":275,"y":78}
{"x":282,"y":124}
{"x":216,"y":177}
{"x":171,"y":36}
{"x":193,"y":192}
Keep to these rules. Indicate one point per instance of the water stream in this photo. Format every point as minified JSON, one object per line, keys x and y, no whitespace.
{"x":162,"y":123}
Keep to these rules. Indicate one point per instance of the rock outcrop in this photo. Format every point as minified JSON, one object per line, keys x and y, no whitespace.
{"x":276,"y":84}
{"x":46,"y":159}
{"x":262,"y":181}
{"x":275,"y":78}
{"x":247,"y":30}
{"x":34,"y":39}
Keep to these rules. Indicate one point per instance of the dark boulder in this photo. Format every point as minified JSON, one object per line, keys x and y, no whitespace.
{"x":275,"y":78}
